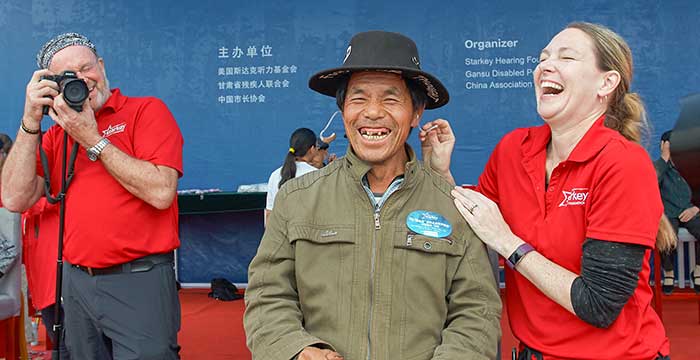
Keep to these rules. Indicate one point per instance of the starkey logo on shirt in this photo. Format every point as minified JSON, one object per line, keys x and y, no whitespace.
{"x":577,"y":196}
{"x":113,"y":129}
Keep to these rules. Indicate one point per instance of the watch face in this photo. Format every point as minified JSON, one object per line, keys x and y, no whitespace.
{"x":91,"y":155}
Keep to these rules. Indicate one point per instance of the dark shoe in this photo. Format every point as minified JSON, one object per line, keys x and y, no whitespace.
{"x":665,"y":286}
{"x":696,"y":282}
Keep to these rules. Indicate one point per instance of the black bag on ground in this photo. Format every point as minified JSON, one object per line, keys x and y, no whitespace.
{"x":224,"y":290}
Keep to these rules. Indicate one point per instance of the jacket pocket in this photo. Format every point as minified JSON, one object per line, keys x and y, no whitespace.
{"x":322,"y":234}
{"x":409,"y":240}
{"x":424,"y":269}
{"x":324,"y":267}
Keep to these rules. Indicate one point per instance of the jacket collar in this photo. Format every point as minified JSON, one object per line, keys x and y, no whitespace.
{"x":358,"y":168}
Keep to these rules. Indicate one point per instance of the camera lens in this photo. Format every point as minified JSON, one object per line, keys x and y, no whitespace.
{"x":75,"y":91}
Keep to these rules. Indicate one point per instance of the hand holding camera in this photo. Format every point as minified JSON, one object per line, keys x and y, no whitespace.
{"x":40,"y":94}
{"x":74,"y":90}
{"x":81,"y":126}
{"x":67,"y":96}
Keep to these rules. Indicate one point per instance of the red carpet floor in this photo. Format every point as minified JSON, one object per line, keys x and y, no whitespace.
{"x":213,"y":330}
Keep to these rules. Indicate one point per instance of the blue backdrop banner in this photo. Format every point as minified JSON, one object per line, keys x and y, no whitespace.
{"x":235,"y":73}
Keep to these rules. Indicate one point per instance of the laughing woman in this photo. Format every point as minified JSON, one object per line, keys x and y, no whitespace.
{"x":574,"y":207}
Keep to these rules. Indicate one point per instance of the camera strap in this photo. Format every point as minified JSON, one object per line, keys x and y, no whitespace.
{"x":47,"y":175}
{"x":67,"y":172}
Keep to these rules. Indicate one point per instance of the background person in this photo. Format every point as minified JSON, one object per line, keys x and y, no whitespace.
{"x":5,"y":146}
{"x":299,"y":160}
{"x":14,"y":322}
{"x":10,"y":252}
{"x":322,"y":157}
{"x":676,"y":197}
{"x":40,"y":249}
{"x":574,"y":207}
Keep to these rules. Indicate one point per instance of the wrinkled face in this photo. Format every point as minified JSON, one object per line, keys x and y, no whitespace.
{"x":378,"y":115}
{"x":567,"y":79}
{"x":88,"y":67}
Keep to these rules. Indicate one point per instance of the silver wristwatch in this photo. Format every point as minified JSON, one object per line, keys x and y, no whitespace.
{"x":94,"y":152}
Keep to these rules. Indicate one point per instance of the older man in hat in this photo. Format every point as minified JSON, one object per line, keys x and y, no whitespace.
{"x":119,"y":290}
{"x":368,"y":258}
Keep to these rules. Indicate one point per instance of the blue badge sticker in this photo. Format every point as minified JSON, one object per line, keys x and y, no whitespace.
{"x":428,"y":223}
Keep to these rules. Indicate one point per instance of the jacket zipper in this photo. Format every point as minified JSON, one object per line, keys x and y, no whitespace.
{"x":377,"y":226}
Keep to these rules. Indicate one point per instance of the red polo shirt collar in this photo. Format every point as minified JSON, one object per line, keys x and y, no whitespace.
{"x":115,"y":102}
{"x":592,"y":142}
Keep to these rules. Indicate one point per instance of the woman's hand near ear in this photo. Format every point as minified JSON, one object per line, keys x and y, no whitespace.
{"x":437,"y":143}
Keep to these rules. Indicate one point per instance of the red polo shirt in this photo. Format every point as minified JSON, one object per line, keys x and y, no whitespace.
{"x":105,"y":224}
{"x":39,"y":251}
{"x":605,"y":190}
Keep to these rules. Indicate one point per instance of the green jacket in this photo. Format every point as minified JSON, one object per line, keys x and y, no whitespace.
{"x":332,"y":273}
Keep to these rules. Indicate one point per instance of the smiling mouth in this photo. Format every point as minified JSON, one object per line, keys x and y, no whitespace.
{"x":374,"y":134}
{"x":551,"y":88}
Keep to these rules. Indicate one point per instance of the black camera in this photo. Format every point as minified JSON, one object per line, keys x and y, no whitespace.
{"x":74,"y":90}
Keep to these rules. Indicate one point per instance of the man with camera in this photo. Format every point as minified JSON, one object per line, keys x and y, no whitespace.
{"x":119,"y":290}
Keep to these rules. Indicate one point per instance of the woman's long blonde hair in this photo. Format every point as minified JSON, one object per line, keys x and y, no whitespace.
{"x":625,"y":112}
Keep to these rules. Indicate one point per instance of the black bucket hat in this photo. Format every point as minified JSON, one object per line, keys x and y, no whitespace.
{"x":382,"y":51}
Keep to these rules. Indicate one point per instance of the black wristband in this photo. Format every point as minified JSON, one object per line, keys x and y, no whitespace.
{"x":518,"y":254}
{"x":28,"y":130}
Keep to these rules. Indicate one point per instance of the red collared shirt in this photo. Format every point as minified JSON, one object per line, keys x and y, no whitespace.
{"x":605,"y":190}
{"x":39,"y":251}
{"x":106,"y":224}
